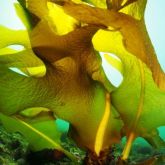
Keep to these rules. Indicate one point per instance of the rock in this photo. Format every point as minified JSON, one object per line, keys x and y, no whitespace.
{"x":13,"y":148}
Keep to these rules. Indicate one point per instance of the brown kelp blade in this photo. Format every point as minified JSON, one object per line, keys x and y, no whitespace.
{"x":141,"y":47}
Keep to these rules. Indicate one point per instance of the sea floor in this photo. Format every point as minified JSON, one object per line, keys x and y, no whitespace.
{"x":14,"y":150}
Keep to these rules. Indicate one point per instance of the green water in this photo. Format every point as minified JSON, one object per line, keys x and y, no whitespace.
{"x":63,"y":126}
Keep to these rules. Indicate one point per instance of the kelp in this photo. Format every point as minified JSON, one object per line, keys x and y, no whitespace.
{"x":138,"y":90}
{"x":61,"y":48}
{"x":40,"y":135}
{"x":24,"y":59}
{"x":141,"y":47}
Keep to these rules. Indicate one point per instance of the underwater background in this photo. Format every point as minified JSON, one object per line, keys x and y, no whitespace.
{"x":155,"y":22}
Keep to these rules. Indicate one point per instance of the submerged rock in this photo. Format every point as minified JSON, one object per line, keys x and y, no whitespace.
{"x":13,"y":148}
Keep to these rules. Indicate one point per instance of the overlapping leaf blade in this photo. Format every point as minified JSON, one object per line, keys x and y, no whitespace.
{"x":122,"y":22}
{"x":130,"y":89}
{"x":40,"y":135}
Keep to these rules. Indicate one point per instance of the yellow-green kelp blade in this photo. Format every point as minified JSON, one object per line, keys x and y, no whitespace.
{"x":138,"y":100}
{"x":25,"y":59}
{"x":38,"y":138}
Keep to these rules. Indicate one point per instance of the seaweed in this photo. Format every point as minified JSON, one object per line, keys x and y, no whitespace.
{"x":65,"y":79}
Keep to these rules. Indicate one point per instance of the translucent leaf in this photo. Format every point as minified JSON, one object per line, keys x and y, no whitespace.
{"x":141,"y":47}
{"x":11,"y":37}
{"x":138,"y":100}
{"x":7,"y":50}
{"x":136,"y":9}
{"x":94,"y":116}
{"x":32,"y":112}
{"x":25,"y":60}
{"x":37,"y":134}
{"x":37,"y":7}
{"x":97,"y":3}
{"x":117,"y":64}
{"x":23,"y":15}
{"x":59,"y":22}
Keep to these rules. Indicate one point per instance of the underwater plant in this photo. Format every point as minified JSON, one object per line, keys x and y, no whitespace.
{"x":65,"y":78}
